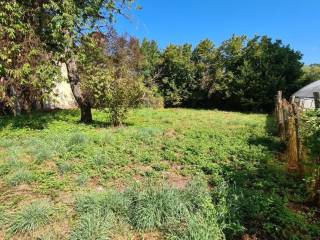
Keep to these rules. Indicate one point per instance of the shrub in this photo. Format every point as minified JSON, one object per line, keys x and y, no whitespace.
{"x":31,"y":217}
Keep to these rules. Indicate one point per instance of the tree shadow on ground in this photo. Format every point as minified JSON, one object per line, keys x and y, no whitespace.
{"x":40,"y":120}
{"x":271,"y":142}
{"x":34,"y":121}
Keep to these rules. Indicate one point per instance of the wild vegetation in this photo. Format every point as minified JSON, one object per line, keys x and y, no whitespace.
{"x":199,"y":174}
{"x":131,"y":169}
{"x":113,"y":72}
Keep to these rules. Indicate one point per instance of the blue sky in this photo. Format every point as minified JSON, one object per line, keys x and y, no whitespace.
{"x":296,"y":22}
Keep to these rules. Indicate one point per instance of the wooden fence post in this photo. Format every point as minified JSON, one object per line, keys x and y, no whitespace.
{"x":292,"y":141}
{"x":316,"y":100}
{"x":316,"y":197}
{"x":279,"y":115}
{"x":297,"y":114}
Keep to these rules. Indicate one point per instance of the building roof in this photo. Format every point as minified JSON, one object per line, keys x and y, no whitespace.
{"x":307,"y":91}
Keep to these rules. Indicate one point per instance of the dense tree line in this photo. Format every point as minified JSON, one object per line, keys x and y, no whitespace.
{"x":106,"y":70}
{"x":241,"y":74}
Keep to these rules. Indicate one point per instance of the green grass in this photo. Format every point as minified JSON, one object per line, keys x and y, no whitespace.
{"x":31,"y":217}
{"x":175,"y":173}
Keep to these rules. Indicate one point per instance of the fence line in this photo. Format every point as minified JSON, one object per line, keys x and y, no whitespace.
{"x":288,"y":115}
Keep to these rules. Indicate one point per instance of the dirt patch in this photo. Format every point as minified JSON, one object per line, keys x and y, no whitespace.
{"x":148,"y":236}
{"x":118,"y":184}
{"x":94,"y":183}
{"x":248,"y":237}
{"x":170,"y":133}
{"x":65,"y":198}
{"x":297,"y":207}
{"x":177,"y":181}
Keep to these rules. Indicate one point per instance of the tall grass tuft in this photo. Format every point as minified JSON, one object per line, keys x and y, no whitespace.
{"x":20,"y":176}
{"x":155,"y":207}
{"x":93,"y":226}
{"x":77,"y":139}
{"x":106,"y":202}
{"x":3,"y":217}
{"x":31,"y":217}
{"x":197,"y":227}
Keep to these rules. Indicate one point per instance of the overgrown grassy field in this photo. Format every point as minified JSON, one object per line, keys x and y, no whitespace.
{"x":165,"y":174}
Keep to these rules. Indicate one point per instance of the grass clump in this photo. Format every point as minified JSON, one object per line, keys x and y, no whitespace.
{"x":31,"y":217}
{"x":104,"y":203}
{"x":3,"y":217}
{"x":177,"y":213}
{"x":93,"y":226}
{"x":197,"y":227}
{"x":155,"y":206}
{"x":64,"y":167}
{"x":20,"y":176}
{"x":77,"y":139}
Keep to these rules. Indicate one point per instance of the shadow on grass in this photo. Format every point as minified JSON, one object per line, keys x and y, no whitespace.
{"x":269,"y":141}
{"x":40,"y":120}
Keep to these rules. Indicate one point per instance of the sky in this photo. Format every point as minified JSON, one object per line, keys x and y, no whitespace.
{"x":295,"y":22}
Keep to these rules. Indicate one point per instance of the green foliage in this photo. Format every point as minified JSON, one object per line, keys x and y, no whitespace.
{"x":249,"y":190}
{"x":311,"y":73}
{"x":77,"y":139}
{"x":177,"y":75}
{"x":242,"y":73}
{"x":31,"y":217}
{"x":27,"y":75}
{"x":111,"y":79}
{"x":180,"y":214}
{"x":311,"y":132}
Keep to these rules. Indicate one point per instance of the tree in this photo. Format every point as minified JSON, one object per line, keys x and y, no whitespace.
{"x":311,"y":73}
{"x":208,"y":71}
{"x":151,"y":72}
{"x":60,"y":25}
{"x":255,"y":69}
{"x":109,"y":69}
{"x":176,"y":82}
{"x":151,"y":61}
{"x":26,"y":71}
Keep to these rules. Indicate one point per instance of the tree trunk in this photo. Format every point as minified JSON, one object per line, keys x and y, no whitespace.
{"x":74,"y":80}
{"x":86,"y":115}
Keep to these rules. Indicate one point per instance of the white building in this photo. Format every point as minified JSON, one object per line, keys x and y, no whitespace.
{"x":304,"y":97}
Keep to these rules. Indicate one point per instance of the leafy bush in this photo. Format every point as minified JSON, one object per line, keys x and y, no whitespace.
{"x":31,"y":217}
